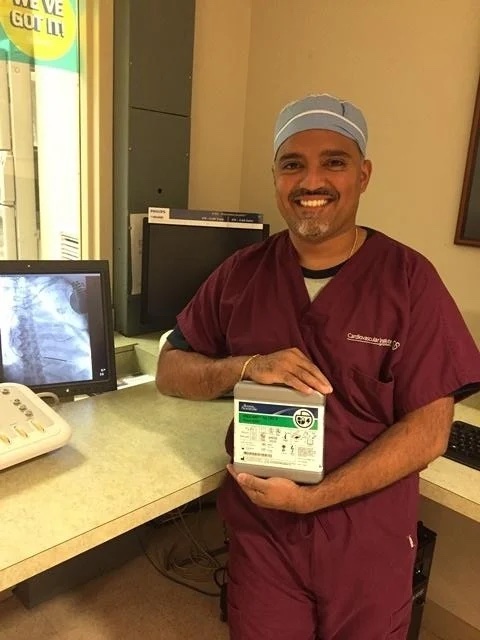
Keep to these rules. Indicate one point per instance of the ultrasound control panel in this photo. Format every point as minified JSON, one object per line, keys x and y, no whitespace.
{"x":29,"y":427}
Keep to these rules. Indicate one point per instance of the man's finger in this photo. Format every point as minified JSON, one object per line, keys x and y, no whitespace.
{"x":250,"y":482}
{"x":246,"y":480}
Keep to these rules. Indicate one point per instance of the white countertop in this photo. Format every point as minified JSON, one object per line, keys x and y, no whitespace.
{"x":134,"y":455}
{"x":452,"y":484}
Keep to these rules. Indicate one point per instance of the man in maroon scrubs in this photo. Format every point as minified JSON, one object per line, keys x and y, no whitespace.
{"x":330,"y":306}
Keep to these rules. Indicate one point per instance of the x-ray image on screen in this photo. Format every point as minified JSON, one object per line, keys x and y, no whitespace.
{"x":44,"y":329}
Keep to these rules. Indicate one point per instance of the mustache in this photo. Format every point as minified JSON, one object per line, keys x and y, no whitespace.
{"x":299,"y":193}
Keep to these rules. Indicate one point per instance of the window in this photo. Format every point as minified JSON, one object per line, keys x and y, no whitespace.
{"x":39,"y":130}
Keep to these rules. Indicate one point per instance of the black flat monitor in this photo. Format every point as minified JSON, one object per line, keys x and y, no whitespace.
{"x":56,"y":329}
{"x":176,"y":259}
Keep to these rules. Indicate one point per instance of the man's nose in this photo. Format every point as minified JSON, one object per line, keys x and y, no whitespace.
{"x":314,"y":178}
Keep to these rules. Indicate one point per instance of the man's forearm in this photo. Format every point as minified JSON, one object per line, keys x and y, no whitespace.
{"x":191,"y":375}
{"x":405,"y":447}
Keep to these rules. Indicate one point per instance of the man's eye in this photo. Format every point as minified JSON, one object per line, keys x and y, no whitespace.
{"x":336,"y":163}
{"x":290,"y":166}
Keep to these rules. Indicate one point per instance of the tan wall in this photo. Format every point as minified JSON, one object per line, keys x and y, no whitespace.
{"x":220,"y":68}
{"x":413,"y":67}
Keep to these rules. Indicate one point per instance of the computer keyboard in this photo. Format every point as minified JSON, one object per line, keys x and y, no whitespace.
{"x":464,"y":444}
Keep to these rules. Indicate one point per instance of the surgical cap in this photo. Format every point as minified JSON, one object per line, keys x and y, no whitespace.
{"x":321,"y":111}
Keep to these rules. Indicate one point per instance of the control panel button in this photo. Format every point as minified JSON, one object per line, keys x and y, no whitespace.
{"x":37,"y":425}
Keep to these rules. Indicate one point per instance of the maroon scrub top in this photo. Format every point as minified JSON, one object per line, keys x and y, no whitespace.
{"x":385,"y":331}
{"x":389,"y":337}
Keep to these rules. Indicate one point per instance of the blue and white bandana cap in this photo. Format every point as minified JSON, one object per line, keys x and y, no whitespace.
{"x":321,"y":111}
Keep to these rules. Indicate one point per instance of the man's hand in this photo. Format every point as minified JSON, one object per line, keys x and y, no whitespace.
{"x":273,"y":493}
{"x":290,"y":367}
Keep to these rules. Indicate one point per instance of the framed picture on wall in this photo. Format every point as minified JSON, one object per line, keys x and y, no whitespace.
{"x":468,"y":223}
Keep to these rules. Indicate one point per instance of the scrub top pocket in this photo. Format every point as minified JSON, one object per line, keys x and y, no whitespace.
{"x":368,"y":399}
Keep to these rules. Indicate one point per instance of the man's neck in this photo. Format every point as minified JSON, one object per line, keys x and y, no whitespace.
{"x":323,"y":254}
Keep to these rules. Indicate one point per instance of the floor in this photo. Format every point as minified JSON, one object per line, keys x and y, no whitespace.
{"x":136,"y":601}
{"x":129,"y":603}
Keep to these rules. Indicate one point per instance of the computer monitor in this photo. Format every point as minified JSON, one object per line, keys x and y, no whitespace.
{"x":56,"y":329}
{"x":176,"y":259}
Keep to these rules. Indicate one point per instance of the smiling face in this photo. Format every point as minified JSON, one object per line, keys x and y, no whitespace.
{"x":319,"y":176}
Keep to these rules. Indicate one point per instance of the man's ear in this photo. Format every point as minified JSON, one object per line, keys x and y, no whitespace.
{"x":366,"y":172}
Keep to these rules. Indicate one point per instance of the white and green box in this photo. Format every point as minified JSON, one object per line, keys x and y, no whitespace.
{"x":278,"y":432}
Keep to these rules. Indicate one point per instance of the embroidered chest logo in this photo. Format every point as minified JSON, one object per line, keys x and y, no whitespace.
{"x":378,"y":342}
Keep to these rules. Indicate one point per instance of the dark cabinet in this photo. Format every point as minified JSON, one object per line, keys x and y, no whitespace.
{"x":153,"y":61}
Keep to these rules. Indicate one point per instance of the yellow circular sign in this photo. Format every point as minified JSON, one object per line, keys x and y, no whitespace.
{"x":41,"y":29}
